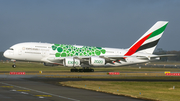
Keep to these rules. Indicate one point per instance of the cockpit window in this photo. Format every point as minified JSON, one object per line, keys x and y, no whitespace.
{"x":10,"y":49}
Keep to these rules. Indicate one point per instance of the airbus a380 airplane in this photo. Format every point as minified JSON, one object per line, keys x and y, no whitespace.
{"x":86,"y":56}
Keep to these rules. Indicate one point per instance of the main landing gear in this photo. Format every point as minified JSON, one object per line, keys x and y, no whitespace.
{"x":84,"y":69}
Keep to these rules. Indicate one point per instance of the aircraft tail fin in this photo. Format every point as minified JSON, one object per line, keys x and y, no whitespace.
{"x":148,"y":42}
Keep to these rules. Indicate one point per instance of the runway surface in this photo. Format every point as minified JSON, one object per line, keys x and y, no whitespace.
{"x":32,"y":88}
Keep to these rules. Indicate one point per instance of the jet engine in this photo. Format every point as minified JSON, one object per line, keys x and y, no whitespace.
{"x":96,"y":61}
{"x":69,"y":62}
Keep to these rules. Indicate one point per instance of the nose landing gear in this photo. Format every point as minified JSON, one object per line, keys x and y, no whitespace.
{"x":14,"y":63}
{"x":14,"y":66}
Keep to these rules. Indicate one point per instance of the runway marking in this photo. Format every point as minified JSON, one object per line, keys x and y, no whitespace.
{"x":23,"y":90}
{"x":7,"y":86}
{"x":41,"y":92}
{"x":43,"y":95}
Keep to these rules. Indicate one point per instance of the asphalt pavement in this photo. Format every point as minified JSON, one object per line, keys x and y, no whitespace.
{"x":32,"y":88}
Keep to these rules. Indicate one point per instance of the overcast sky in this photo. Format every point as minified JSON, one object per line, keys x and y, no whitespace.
{"x":105,"y":23}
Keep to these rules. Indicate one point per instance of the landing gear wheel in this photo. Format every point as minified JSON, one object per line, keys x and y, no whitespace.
{"x":91,"y":70}
{"x":86,"y":70}
{"x":74,"y":70}
{"x":14,"y":66}
{"x":81,"y":70}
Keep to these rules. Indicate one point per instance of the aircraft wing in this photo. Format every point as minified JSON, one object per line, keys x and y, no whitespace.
{"x":121,"y":57}
{"x":54,"y":60}
{"x":114,"y":58}
{"x":165,"y":55}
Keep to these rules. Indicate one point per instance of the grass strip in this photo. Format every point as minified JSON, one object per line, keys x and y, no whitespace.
{"x":25,"y":66}
{"x":162,"y":91}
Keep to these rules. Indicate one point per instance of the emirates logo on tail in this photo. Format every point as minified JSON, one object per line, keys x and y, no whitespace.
{"x":149,"y":40}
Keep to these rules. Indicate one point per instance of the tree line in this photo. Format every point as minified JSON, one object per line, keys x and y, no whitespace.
{"x":160,"y":51}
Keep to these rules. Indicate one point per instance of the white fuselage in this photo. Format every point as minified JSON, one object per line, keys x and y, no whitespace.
{"x":43,"y":52}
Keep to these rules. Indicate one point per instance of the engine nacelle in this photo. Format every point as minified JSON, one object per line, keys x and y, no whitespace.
{"x":95,"y":61}
{"x":49,"y":64}
{"x":69,"y":62}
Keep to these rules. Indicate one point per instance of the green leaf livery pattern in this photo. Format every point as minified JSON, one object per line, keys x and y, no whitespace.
{"x":70,"y":50}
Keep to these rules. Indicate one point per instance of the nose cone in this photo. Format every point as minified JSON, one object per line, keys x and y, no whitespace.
{"x":8,"y":54}
{"x":5,"y":54}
